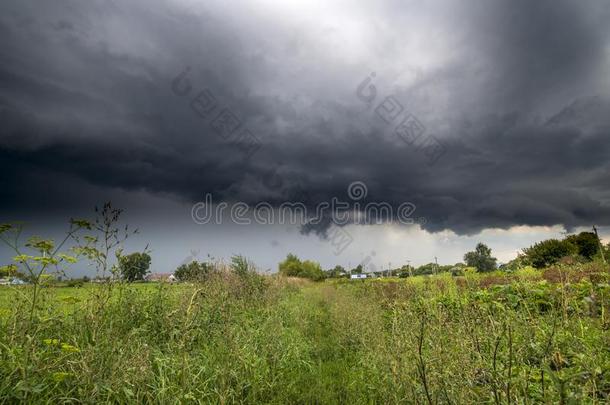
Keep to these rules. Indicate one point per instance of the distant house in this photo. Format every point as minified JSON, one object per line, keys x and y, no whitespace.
{"x":14,"y":281}
{"x":358,"y":276}
{"x":156,"y":277}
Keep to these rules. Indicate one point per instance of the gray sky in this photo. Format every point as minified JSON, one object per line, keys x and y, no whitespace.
{"x":511,"y":99}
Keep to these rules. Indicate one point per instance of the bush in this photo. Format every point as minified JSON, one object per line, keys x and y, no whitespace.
{"x":74,"y":283}
{"x":193,"y":271}
{"x":294,"y":267}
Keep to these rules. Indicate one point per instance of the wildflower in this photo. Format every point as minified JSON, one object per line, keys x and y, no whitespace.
{"x":65,"y":347}
{"x":51,"y":342}
{"x":60,"y":376}
{"x":69,"y":348}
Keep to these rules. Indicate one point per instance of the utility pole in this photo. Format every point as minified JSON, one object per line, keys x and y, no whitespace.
{"x":599,"y":242}
{"x":435,"y":265}
{"x":389,"y":269}
{"x":409,"y":268}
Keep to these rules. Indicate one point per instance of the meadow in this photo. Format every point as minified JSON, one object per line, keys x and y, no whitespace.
{"x":526,"y":337}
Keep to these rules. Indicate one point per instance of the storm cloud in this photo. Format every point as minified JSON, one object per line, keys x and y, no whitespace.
{"x":516,"y":93}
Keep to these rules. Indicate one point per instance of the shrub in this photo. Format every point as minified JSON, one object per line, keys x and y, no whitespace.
{"x":292,"y":266}
{"x":74,"y":283}
{"x":193,"y":271}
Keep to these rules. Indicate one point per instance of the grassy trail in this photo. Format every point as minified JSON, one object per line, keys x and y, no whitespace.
{"x":330,"y":362}
{"x":236,"y":341}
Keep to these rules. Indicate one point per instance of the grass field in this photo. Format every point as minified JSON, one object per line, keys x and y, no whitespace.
{"x":529,"y":337}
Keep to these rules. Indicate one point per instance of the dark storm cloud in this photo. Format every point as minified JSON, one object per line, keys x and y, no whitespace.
{"x":516,"y":93}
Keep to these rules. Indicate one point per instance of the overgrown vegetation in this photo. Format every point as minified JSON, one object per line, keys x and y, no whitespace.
{"x":228,"y":334}
{"x":584,"y":246}
{"x":527,"y":337}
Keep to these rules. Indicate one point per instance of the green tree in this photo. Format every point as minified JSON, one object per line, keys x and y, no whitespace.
{"x":548,"y":252}
{"x":134,"y":266}
{"x":311,"y":270}
{"x":193,"y":271}
{"x":428,"y":268}
{"x":292,"y":266}
{"x":335,"y":272}
{"x":406,"y":270}
{"x":586,"y":244}
{"x":358,"y":269}
{"x":481,"y":258}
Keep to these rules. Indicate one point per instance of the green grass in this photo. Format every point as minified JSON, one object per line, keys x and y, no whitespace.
{"x":473,"y":339}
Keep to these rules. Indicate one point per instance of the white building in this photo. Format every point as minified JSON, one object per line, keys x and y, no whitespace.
{"x":167,"y":277}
